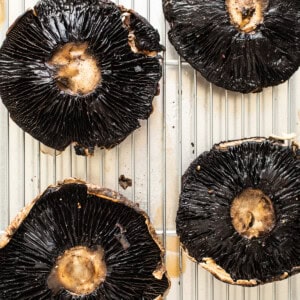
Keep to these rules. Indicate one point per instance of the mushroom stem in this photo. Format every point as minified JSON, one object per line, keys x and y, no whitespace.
{"x":77,"y":71}
{"x":79,"y":270}
{"x":246,"y":15}
{"x":252,"y":213}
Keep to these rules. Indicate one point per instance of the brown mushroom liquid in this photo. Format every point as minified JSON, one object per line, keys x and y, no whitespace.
{"x":79,"y":270}
{"x":246,"y":15}
{"x":77,"y":71}
{"x":252,"y":213}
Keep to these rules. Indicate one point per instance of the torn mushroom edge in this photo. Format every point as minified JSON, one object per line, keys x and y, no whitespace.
{"x":104,"y":193}
{"x":209,"y":263}
{"x":126,"y":13}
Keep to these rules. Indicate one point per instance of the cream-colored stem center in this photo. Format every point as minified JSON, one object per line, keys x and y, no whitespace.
{"x":252,"y":213}
{"x":246,"y":15}
{"x":79,"y":270}
{"x":77,"y":71}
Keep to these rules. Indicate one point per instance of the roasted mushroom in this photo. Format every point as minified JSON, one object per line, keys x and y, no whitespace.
{"x":240,"y":45}
{"x":80,"y":72}
{"x":239,"y":211}
{"x":79,"y":241}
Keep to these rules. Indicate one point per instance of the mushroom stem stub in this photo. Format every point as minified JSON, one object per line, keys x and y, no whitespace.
{"x":246,"y":15}
{"x":252,"y":213}
{"x":79,"y":270}
{"x":77,"y":71}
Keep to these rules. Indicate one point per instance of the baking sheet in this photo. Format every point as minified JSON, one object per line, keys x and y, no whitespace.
{"x":189,"y":116}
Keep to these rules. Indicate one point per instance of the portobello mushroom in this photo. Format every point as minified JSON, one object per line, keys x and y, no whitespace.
{"x":239,"y":211}
{"x":80,"y":241}
{"x":82,"y":72}
{"x":240,"y":45}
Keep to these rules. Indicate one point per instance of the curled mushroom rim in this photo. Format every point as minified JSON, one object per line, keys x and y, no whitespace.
{"x":95,"y":190}
{"x":209,"y":264}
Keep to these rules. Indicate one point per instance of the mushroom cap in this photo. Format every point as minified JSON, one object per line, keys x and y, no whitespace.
{"x":102,"y":116}
{"x":204,"y":35}
{"x":74,"y":215}
{"x":204,"y":222}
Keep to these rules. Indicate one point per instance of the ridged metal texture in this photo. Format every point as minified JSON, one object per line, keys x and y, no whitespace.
{"x":189,"y":116}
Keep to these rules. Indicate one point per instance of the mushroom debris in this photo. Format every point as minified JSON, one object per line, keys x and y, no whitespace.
{"x":82,"y":72}
{"x":79,"y":241}
{"x":240,"y":45}
{"x":239,"y":211}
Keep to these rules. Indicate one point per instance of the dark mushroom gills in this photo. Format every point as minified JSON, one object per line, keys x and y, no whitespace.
{"x":239,"y":211}
{"x":239,"y":45}
{"x":79,"y":241}
{"x":81,"y":72}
